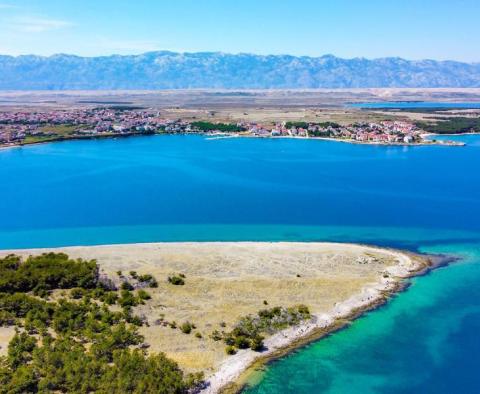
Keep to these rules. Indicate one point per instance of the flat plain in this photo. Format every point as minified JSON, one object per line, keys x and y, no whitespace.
{"x":263,"y":106}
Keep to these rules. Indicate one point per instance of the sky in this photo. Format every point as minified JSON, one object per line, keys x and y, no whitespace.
{"x":412,"y":29}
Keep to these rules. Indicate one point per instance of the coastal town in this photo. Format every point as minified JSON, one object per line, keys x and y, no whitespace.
{"x":22,"y":128}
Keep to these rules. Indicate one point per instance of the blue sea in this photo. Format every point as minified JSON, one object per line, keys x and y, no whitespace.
{"x":177,"y":188}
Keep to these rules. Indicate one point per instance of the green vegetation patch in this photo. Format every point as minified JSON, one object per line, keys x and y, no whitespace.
{"x":454,"y":125}
{"x":208,"y":126}
{"x":77,"y":344}
{"x":47,"y":271}
{"x":35,"y":139}
{"x":60,"y":129}
{"x":177,"y":279}
{"x":247,"y":333}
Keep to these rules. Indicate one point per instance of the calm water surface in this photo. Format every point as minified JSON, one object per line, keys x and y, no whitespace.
{"x":171,"y":188}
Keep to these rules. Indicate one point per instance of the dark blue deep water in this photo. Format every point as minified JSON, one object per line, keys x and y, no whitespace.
{"x":171,"y":188}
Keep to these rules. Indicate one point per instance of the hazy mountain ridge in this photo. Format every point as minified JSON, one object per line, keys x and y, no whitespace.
{"x":170,"y":70}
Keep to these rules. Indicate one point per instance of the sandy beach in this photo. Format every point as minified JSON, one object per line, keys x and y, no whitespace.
{"x":225,"y":281}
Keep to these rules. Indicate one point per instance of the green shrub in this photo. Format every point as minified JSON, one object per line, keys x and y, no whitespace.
{"x":303,"y":309}
{"x":143,"y":295}
{"x":176,"y":280}
{"x":186,"y":327}
{"x":77,"y":293}
{"x":148,"y":279}
{"x":241,"y":342}
{"x":110,"y":298}
{"x":126,"y":286}
{"x":270,"y":313}
{"x":7,"y":318}
{"x":216,"y":336}
{"x":41,"y":291}
{"x":97,"y":293}
{"x":127,"y":299}
{"x":229,"y":339}
{"x":20,"y":349}
{"x":256,"y":343}
{"x":230,"y":350}
{"x":134,"y":274}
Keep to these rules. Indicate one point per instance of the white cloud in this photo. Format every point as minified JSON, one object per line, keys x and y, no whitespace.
{"x":30,"y":24}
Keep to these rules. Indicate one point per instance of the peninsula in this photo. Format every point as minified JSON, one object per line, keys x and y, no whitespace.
{"x":212,"y":308}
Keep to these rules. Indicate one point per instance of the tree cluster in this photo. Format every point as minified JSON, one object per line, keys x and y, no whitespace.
{"x":46,"y":272}
{"x":247,"y":333}
{"x":452,"y":125}
{"x":77,"y":344}
{"x":209,"y":126}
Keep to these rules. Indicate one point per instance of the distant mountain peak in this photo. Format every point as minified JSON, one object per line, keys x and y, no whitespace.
{"x":173,"y":70}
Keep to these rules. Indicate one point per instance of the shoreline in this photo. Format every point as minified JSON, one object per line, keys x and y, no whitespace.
{"x":75,"y":138}
{"x":235,"y":135}
{"x":454,"y":134}
{"x":235,"y":371}
{"x":351,"y":141}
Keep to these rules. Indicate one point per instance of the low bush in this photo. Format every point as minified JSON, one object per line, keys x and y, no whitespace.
{"x":126,"y":286}
{"x":176,"y":280}
{"x":143,"y":295}
{"x":230,"y":350}
{"x":187,"y":327}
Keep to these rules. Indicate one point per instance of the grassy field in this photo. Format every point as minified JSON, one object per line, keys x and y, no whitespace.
{"x":53,"y":132}
{"x":274,"y":115}
{"x":63,"y":130}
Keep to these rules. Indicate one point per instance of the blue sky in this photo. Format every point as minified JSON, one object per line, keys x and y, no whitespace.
{"x":413,"y":29}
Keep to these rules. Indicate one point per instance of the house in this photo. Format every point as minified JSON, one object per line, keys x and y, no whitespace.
{"x":276,"y":133}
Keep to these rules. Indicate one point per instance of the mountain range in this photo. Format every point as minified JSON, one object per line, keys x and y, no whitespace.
{"x":171,"y":70}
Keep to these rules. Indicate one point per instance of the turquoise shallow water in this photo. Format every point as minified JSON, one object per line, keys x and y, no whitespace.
{"x":424,"y":341}
{"x":181,"y":188}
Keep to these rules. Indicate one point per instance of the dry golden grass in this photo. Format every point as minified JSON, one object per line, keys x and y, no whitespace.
{"x":225,"y":281}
